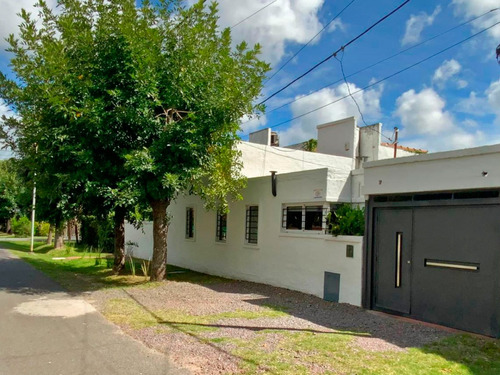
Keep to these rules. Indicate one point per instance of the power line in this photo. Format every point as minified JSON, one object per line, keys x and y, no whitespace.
{"x":387,"y":77}
{"x":335,"y":53}
{"x":253,"y":14}
{"x":354,"y":100}
{"x":379,"y":62}
{"x":287,"y":151}
{"x":310,"y":40}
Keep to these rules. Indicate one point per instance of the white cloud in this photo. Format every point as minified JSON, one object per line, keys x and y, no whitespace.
{"x":493,"y":95}
{"x":282,"y":22}
{"x":474,"y":8}
{"x":428,"y":125}
{"x":474,"y":105}
{"x":249,"y":125}
{"x":9,"y":21}
{"x":423,"y":112}
{"x":447,"y":70}
{"x":461,"y":84}
{"x":482,"y":105}
{"x":416,"y":24}
{"x":305,"y":128}
{"x":337,"y":24}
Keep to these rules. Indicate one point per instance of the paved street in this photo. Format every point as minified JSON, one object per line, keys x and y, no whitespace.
{"x":45,"y":331}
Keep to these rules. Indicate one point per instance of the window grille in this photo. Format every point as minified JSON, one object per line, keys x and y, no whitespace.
{"x":189,"y":222}
{"x":221,"y":227}
{"x":251,"y":227}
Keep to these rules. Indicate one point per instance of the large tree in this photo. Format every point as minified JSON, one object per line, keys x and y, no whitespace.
{"x":143,"y":103}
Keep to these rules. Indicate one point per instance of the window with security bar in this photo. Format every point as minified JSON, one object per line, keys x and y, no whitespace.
{"x":189,"y":222}
{"x":221,"y":227}
{"x":252,"y":224}
{"x":304,"y":217}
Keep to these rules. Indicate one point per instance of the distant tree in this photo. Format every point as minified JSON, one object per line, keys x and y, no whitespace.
{"x":311,"y":145}
{"x":12,"y":193}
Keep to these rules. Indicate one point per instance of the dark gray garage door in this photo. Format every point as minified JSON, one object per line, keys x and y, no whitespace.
{"x":439,"y":264}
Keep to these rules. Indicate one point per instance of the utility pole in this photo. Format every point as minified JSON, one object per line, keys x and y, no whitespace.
{"x":33,"y":208}
{"x":396,"y":131}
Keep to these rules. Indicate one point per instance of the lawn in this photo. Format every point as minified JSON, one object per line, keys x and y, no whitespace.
{"x":79,"y":268}
{"x":218,"y":326}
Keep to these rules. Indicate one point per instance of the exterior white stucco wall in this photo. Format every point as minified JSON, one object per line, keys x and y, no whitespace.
{"x":450,"y":170}
{"x":262,"y":137}
{"x":292,"y":259}
{"x":139,"y":242}
{"x":339,"y":138}
{"x":259,"y":160}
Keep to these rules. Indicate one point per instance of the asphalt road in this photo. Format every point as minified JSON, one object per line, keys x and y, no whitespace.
{"x":37,"y":336}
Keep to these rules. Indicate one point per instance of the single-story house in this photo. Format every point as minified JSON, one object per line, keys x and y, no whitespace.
{"x":277,"y":233}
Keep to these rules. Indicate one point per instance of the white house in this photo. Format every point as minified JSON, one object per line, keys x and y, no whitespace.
{"x":277,"y":233}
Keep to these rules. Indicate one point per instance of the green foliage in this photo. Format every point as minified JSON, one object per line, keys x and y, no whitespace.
{"x":98,"y":233}
{"x":118,"y":105}
{"x":347,"y":220}
{"x":311,"y":145}
{"x":12,"y":190}
{"x":42,"y":228}
{"x":21,"y":226}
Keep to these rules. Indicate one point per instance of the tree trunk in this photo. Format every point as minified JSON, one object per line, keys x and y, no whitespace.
{"x":119,"y":222}
{"x":69,"y":230}
{"x":8,"y":230}
{"x":160,"y":231}
{"x":59,"y":238}
{"x":76,"y":231}
{"x":49,"y":236}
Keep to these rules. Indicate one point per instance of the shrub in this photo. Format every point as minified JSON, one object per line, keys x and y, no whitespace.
{"x":42,"y":228}
{"x":347,"y":220}
{"x":21,"y":226}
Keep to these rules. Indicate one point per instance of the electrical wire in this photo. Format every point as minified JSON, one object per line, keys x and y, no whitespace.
{"x":273,"y":151}
{"x":253,"y":14}
{"x":310,"y":40}
{"x":354,"y":100}
{"x":378,"y":62}
{"x":337,"y":51}
{"x":387,"y":77}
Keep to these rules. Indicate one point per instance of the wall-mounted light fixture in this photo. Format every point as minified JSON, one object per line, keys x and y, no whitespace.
{"x":273,"y":182}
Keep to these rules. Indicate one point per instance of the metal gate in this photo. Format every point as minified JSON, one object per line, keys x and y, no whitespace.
{"x":438,"y":262}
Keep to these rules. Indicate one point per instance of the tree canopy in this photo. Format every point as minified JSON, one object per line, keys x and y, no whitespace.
{"x":130,"y":104}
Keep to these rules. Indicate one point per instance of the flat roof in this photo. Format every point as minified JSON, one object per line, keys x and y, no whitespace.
{"x":466,"y":152}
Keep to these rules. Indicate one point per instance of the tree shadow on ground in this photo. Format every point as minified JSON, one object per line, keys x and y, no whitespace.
{"x":481,"y":355}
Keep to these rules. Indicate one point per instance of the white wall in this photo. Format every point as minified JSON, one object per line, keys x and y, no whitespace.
{"x":451,"y":170}
{"x":339,"y":138}
{"x":369,"y":142}
{"x":292,"y":259}
{"x":139,"y":242}
{"x":259,"y":160}
{"x":262,"y":137}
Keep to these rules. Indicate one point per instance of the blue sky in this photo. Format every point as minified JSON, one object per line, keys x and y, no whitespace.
{"x":450,"y":101}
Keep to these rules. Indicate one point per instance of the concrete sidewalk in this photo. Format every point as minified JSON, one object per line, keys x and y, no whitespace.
{"x":46,"y":331}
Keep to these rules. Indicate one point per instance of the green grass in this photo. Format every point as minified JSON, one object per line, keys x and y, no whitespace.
{"x":92,"y":270}
{"x":128,"y":312}
{"x":302,"y":352}
{"x":335,"y":353}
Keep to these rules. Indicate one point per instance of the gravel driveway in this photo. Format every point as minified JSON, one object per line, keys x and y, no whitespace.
{"x":197,"y":325}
